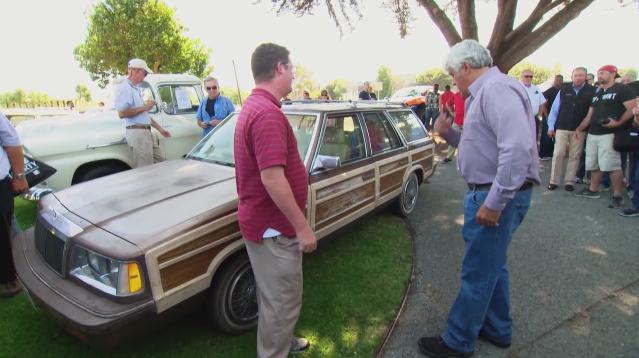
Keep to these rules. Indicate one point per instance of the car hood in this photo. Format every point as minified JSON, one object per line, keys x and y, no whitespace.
{"x":72,"y":133}
{"x":145,"y":205}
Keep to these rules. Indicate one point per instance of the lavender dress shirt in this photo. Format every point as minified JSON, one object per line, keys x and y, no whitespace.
{"x":498,"y":143}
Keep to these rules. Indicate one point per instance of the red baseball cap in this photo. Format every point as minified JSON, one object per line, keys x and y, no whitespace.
{"x":611,"y":69}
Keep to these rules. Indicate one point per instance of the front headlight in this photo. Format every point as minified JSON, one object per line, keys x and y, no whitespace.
{"x":118,"y":278}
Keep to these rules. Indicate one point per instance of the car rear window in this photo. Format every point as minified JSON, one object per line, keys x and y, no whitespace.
{"x":409,"y":125}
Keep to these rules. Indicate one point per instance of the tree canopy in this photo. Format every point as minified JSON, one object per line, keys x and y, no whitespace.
{"x":119,"y":30}
{"x":82,"y":93}
{"x":541,"y":74}
{"x":434,"y":75}
{"x":337,"y":88}
{"x":508,"y":44}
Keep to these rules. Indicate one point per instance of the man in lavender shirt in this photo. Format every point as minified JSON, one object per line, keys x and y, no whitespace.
{"x":498,"y":159}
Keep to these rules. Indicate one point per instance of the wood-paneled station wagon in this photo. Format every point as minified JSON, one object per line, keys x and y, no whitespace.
{"x":108,"y":255}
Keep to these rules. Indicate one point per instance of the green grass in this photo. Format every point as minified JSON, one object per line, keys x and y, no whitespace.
{"x":353,"y":286}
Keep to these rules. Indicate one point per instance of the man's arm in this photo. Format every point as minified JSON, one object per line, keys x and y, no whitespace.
{"x":630,"y":105}
{"x":584,"y":123}
{"x":130,"y":112}
{"x":279,"y":190}
{"x":16,"y":159}
{"x":156,"y":125}
{"x":552,"y":116}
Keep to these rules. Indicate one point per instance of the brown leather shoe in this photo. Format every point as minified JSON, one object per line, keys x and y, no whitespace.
{"x":10,"y":289}
{"x":435,"y":347}
{"x":569,"y":187}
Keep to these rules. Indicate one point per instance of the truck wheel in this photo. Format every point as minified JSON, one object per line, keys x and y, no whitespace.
{"x":99,"y":171}
{"x":232,"y":301}
{"x":407,"y":200}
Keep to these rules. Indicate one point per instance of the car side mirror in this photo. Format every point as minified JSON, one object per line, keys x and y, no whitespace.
{"x":165,"y":108}
{"x":325,"y":162}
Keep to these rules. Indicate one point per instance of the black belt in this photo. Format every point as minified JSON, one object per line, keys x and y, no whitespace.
{"x":485,"y":187}
{"x":139,"y":126}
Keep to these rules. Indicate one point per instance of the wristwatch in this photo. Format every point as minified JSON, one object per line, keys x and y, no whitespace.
{"x":19,"y":176}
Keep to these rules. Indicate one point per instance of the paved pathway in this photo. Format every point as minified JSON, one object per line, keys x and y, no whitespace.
{"x":574,"y":267}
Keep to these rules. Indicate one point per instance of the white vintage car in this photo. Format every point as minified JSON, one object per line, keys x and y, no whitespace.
{"x":92,"y":145}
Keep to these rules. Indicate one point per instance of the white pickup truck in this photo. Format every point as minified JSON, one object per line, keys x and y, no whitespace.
{"x":91,"y":145}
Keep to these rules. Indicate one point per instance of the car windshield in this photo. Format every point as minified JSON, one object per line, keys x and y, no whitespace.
{"x":410,"y":92}
{"x":217,"y":146}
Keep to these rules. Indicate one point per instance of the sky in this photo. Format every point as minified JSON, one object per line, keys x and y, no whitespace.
{"x":38,"y":38}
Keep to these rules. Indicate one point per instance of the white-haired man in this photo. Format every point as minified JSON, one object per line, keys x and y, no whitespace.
{"x":135,"y":112}
{"x":498,"y":160}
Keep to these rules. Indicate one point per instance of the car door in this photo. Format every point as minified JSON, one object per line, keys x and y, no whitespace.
{"x":178,"y":117}
{"x":421,"y":147}
{"x":342,"y":180}
{"x":389,"y":153}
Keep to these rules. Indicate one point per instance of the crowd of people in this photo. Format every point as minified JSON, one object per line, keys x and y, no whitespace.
{"x":575,"y":127}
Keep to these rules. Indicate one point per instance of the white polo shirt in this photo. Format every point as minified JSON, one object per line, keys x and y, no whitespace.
{"x":8,"y":138}
{"x":536,"y":97}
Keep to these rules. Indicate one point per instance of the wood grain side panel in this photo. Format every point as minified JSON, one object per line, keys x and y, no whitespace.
{"x":391,"y":182}
{"x":383,"y":169}
{"x":344,"y":184}
{"x":427,"y":163}
{"x":341,"y":215}
{"x":190,"y":268}
{"x":213,"y":236}
{"x":420,"y":155}
{"x":349,"y":199}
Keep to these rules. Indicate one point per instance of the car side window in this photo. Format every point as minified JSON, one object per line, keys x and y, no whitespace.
{"x":179,"y":99}
{"x":343,"y":138}
{"x":409,"y":125}
{"x":381,"y":134}
{"x":147,"y":95}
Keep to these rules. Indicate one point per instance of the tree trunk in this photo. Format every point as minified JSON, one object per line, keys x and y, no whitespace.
{"x":508,"y":56}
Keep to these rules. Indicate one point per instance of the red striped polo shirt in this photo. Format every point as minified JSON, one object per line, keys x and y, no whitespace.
{"x":263,"y":139}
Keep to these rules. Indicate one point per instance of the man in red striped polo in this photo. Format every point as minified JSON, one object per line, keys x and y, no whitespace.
{"x":272,"y":186}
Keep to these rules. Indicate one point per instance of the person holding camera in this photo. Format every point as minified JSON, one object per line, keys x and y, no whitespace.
{"x":610,"y":110}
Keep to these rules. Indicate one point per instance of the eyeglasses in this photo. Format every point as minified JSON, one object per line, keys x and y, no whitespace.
{"x":528,"y":76}
{"x":211,"y":88}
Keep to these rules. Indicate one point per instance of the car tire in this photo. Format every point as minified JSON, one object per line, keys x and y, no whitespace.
{"x":407,"y":200}
{"x":232,"y":301}
{"x":98,"y":172}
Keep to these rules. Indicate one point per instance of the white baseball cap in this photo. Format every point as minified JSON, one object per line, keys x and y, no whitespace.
{"x":139,"y":63}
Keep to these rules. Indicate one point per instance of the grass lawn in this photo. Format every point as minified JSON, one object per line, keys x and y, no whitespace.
{"x":353,"y":286}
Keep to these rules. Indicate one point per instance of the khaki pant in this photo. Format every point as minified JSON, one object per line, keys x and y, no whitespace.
{"x":144,"y":147}
{"x":450,"y":153}
{"x":601,"y":155}
{"x":566,"y":145}
{"x":277,"y":266}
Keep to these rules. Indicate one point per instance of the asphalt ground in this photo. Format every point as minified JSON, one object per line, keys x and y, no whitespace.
{"x":574,"y":274}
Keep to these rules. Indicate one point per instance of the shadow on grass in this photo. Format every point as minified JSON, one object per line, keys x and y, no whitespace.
{"x":353,"y":286}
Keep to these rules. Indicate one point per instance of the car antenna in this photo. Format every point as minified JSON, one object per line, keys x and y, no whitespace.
{"x":239,"y":95}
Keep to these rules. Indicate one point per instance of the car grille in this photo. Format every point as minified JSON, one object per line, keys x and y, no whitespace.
{"x":50,"y":246}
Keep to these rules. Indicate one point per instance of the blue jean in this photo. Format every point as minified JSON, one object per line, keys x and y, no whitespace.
{"x":635,"y":180}
{"x":431,"y":113}
{"x":483,"y":301}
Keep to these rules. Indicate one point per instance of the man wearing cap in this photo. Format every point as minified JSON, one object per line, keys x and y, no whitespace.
{"x":610,"y":111}
{"x":132,"y":108}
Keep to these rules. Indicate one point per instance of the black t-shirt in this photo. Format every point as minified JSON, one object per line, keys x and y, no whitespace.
{"x":608,"y":103}
{"x":210,"y":106}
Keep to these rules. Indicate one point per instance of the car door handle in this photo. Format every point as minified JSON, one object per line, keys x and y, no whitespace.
{"x":366,"y":177}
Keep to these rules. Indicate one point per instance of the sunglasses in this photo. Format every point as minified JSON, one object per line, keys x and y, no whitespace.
{"x":528,"y":76}
{"x":211,"y":88}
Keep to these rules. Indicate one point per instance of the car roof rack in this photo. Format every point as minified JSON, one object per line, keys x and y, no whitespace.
{"x":353,"y":103}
